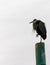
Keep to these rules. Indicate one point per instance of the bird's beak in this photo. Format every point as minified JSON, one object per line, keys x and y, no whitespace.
{"x":31,"y":22}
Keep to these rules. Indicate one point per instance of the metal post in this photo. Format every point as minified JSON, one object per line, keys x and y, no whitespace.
{"x":40,"y":53}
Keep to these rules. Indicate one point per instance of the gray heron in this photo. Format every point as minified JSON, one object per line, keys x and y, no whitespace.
{"x":40,"y":28}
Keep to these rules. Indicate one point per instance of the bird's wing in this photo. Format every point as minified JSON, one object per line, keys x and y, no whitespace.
{"x":42,"y":27}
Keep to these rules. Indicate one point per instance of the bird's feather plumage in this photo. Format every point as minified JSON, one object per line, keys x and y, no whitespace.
{"x":42,"y":29}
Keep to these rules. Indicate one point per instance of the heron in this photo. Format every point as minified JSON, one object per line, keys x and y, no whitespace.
{"x":40,"y":28}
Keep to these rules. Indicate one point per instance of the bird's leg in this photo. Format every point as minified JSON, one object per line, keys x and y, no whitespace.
{"x":40,"y":39}
{"x":37,"y":35}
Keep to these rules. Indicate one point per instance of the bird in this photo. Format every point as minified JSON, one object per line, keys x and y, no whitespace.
{"x":40,"y":28}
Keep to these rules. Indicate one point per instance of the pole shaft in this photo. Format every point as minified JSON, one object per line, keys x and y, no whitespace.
{"x":40,"y":54}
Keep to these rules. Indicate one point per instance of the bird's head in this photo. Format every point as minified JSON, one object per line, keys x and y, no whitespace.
{"x":33,"y":21}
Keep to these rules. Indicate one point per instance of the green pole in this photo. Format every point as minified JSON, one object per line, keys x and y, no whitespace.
{"x":40,"y":53}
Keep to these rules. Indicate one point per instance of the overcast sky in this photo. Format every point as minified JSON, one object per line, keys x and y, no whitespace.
{"x":17,"y":39}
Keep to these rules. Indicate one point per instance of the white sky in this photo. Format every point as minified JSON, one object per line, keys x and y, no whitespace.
{"x":17,"y":41}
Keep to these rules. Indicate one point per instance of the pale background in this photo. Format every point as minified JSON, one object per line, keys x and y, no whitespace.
{"x":17,"y":39}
